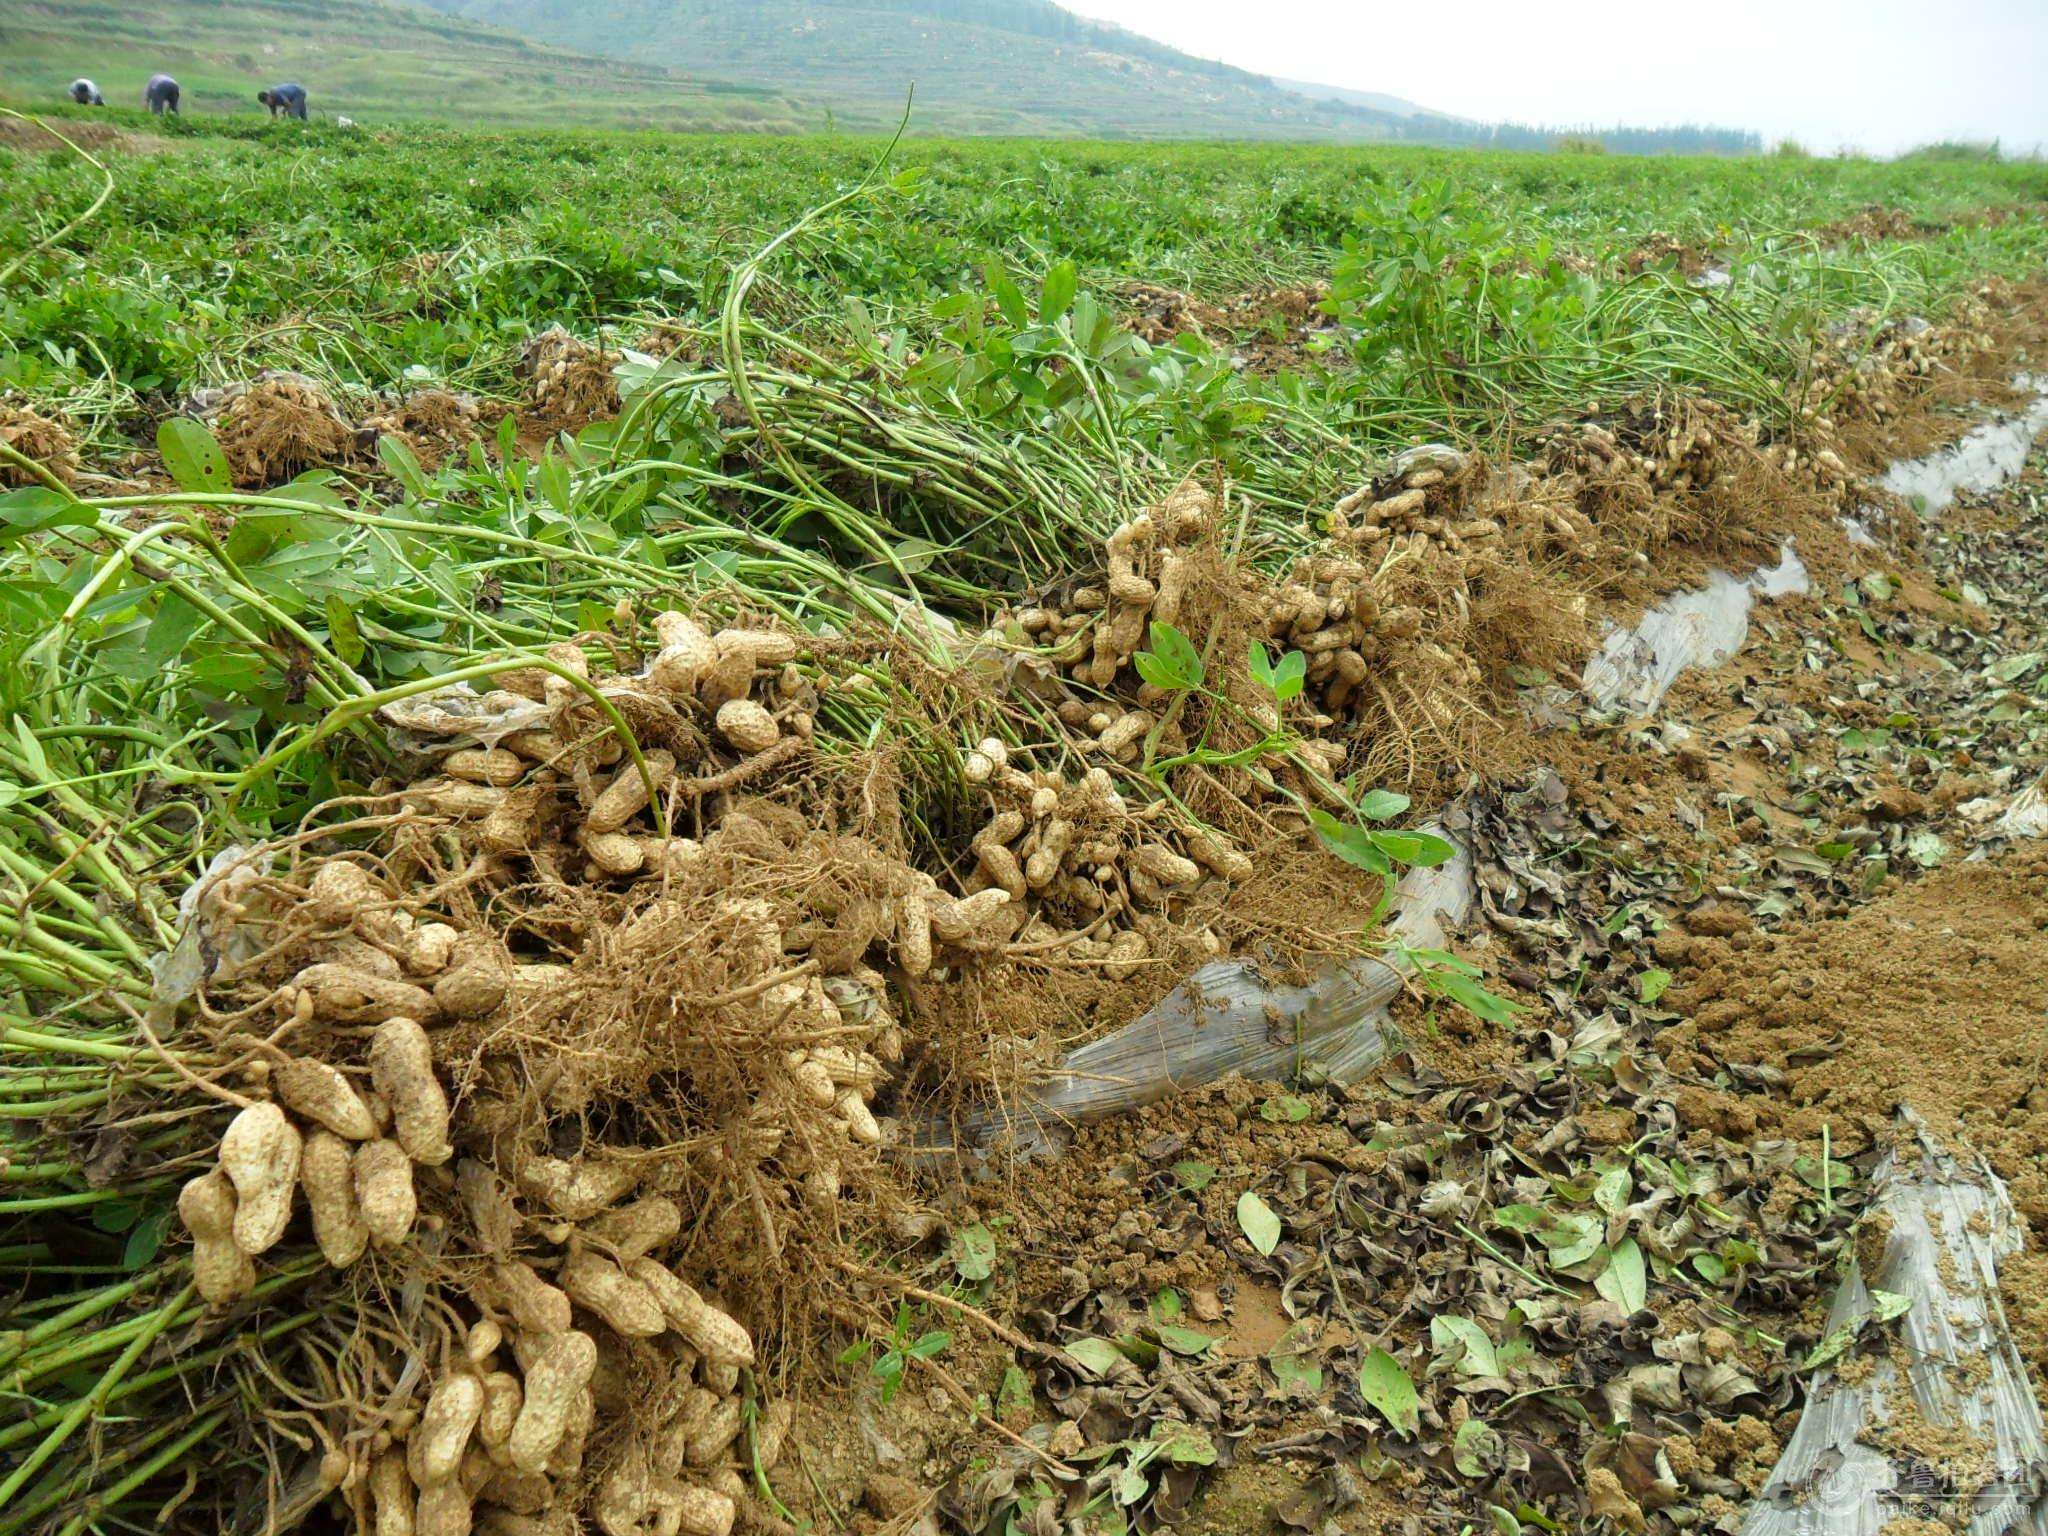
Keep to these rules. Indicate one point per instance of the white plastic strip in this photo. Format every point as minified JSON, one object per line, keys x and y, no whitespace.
{"x":1945,"y":1223}
{"x":1705,"y":627}
{"x":1984,"y":459}
{"x":2027,"y":816}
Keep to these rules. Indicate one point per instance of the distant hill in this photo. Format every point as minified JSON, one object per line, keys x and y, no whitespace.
{"x":980,"y":66}
{"x":1006,"y":66}
{"x":1378,"y":101}
{"x":372,"y":59}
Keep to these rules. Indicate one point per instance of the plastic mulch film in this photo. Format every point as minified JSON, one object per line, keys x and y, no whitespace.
{"x":1933,"y":1422}
{"x":1985,"y":458}
{"x":1226,"y":1018}
{"x":2027,"y":816}
{"x":1635,"y":668}
{"x":212,"y":932}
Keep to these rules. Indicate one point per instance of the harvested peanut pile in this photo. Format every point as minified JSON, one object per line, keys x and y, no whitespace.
{"x":1690,"y":472}
{"x":604,"y":1045}
{"x":1265,"y":330}
{"x":42,"y":439}
{"x":280,"y":426}
{"x":556,"y":1057}
{"x":569,"y":382}
{"x":434,"y":423}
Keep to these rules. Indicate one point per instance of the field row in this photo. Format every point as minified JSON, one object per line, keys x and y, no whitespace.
{"x":582,"y":710}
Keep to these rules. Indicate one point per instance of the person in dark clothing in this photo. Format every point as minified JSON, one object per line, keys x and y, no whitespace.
{"x":86,"y":94}
{"x":161,"y":95}
{"x":288,"y":99}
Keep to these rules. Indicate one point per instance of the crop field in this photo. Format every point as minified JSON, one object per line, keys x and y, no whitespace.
{"x":816,"y":834}
{"x":386,"y":62}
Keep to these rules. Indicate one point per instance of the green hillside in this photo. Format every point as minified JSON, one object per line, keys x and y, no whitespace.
{"x":371,"y":59}
{"x":980,"y":66}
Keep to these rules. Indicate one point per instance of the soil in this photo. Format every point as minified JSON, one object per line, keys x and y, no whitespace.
{"x":1927,"y":996}
{"x":16,"y":133}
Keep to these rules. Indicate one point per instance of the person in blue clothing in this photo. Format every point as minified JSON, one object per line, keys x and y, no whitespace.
{"x":86,"y":94}
{"x":161,"y":95}
{"x":288,"y":99}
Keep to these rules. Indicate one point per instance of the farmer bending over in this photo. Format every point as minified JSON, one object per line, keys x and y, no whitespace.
{"x":288,"y":99}
{"x":161,"y":95}
{"x":86,"y":94}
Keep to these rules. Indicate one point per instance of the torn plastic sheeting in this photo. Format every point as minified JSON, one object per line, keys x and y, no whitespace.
{"x":2027,"y":816}
{"x":1946,"y":1223}
{"x":211,"y":929}
{"x":1985,"y":458}
{"x":1226,"y":1018}
{"x":1635,"y":668}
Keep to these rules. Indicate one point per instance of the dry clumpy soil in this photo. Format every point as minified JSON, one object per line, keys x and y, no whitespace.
{"x":1928,"y":996}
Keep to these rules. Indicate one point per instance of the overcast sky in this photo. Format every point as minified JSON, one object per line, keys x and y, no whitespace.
{"x":1878,"y":75}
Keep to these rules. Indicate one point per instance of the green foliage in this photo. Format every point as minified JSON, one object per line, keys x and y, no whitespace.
{"x":1457,"y":981}
{"x":974,"y":1252}
{"x":1624,"y":1281}
{"x":1283,"y":680}
{"x":1466,"y":1344}
{"x":192,"y":456}
{"x":1173,"y":664}
{"x":1261,"y":1226}
{"x":446,"y":248}
{"x":1390,"y":1391}
{"x":889,"y":1365}
{"x":1957,"y":150}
